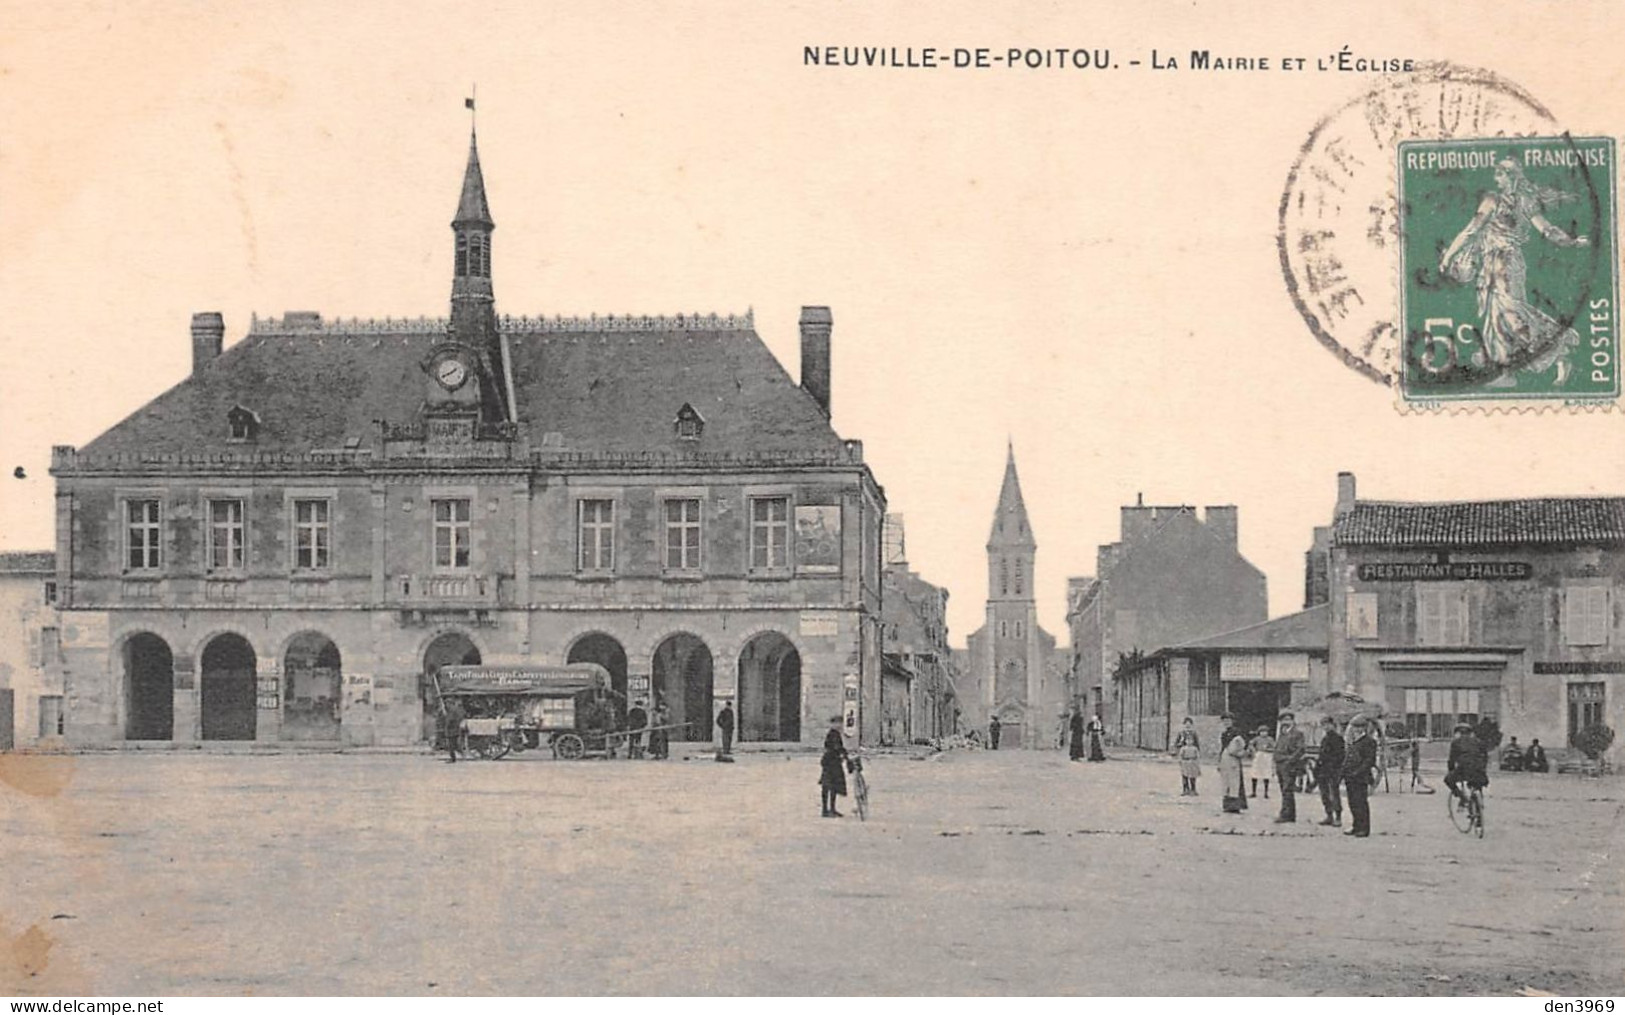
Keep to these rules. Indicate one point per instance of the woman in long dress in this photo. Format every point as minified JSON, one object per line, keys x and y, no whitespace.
{"x":1488,"y":252}
{"x":1075,"y":726}
{"x":1097,"y":739}
{"x":1188,"y":748}
{"x":1231,"y":769}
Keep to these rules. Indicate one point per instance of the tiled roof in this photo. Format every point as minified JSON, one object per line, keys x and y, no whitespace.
{"x":602,"y":390}
{"x":28,"y":562}
{"x":1540,"y":520}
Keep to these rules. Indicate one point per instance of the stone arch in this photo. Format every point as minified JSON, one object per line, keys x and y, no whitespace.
{"x":601,"y":647}
{"x":228,"y":703}
{"x":446,"y":646}
{"x":770,"y":680}
{"x":682,"y":675}
{"x":312,"y":686}
{"x":148,"y":685}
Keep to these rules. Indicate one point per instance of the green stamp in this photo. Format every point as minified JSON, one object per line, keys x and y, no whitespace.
{"x":1509,"y":280}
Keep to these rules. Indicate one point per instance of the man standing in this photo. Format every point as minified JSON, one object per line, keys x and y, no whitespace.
{"x":993,"y":733}
{"x":637,"y":719}
{"x":1358,"y":765}
{"x":725,"y":723}
{"x":1289,"y":755}
{"x":1329,"y":772}
{"x":451,"y":713}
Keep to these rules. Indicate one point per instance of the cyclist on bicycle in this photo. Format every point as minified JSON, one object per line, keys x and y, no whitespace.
{"x":1469,"y":762}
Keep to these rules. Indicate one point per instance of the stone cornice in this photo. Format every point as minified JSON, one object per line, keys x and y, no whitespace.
{"x":301,"y":324}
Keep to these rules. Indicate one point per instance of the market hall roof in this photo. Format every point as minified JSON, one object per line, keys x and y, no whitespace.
{"x":601,"y":383}
{"x":1492,"y":523}
{"x":1305,"y":631}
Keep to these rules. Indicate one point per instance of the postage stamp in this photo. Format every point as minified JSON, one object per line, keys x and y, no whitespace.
{"x":1508,"y":280}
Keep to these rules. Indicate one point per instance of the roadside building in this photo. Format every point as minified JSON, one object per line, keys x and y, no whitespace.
{"x":1253,"y":673}
{"x":1454,"y":611}
{"x":1009,"y":660}
{"x":288,"y":543}
{"x":31,"y":705}
{"x":917,"y":688}
{"x":1170,"y":579}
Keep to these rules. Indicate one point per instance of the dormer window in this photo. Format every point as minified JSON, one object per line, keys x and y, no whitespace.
{"x":689,"y":425}
{"x":243,"y":423}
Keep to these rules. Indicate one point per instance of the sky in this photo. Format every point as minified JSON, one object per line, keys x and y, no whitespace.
{"x":1082,"y":263}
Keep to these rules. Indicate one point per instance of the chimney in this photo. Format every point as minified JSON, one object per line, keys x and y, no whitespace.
{"x":1317,"y":568}
{"x":815,"y":328}
{"x":1345,"y":493}
{"x":1221,"y":521}
{"x":208,"y":337}
{"x":892,"y":547}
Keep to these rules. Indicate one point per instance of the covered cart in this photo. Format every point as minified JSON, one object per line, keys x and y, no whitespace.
{"x":570,"y":708}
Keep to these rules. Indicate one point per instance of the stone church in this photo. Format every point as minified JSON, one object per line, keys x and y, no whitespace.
{"x":1012,"y":670}
{"x":289,"y":542}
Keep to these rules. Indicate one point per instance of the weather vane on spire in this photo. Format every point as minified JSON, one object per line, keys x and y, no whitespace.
{"x":468,"y":103}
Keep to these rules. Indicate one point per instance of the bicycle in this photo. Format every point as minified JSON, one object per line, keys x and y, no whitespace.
{"x":1467,"y":817}
{"x":860,"y":790}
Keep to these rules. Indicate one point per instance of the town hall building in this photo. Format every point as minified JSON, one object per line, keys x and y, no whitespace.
{"x":288,"y":543}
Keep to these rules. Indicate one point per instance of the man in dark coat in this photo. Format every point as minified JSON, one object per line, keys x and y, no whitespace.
{"x":1534,"y":760}
{"x":1075,"y":728}
{"x":1290,"y":751}
{"x":832,"y":769}
{"x":1468,"y":762}
{"x":452,"y":716}
{"x":1329,"y":772}
{"x":993,"y":733}
{"x":1358,"y":765}
{"x":637,"y":720}
{"x":725,"y":723}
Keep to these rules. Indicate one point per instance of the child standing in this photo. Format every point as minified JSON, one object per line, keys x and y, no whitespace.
{"x":1188,"y":748}
{"x":1263,"y":760}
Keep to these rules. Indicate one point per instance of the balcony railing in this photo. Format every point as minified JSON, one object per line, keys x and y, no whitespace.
{"x":445,"y":589}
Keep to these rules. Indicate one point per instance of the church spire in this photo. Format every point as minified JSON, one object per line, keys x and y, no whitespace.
{"x":472,"y":209}
{"x":473,"y":303}
{"x":1011,"y":529}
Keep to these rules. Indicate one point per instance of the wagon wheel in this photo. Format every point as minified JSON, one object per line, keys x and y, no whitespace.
{"x":494,"y":748}
{"x":568,"y":746}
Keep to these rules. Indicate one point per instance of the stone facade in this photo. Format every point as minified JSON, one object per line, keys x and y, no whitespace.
{"x":1460,"y":610}
{"x":290,"y":542}
{"x":915,"y":620}
{"x":31,"y":700}
{"x":1010,"y":661}
{"x":1170,"y":579}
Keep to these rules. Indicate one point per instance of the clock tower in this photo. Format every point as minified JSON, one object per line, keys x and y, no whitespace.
{"x":473,"y":359}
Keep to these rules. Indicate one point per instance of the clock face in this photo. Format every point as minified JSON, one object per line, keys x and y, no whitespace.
{"x":451,"y":373}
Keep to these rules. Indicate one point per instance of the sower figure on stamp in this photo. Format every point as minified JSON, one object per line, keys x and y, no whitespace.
{"x":1329,"y":771}
{"x":1359,"y":775}
{"x":1290,"y":750}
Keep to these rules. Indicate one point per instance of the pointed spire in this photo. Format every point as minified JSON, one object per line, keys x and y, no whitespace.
{"x":1010,"y":525}
{"x":471,"y":206}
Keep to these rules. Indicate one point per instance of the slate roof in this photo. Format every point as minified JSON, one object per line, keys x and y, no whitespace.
{"x":471,"y":204}
{"x":1533,"y":522}
{"x":28,"y":562}
{"x":603,"y":391}
{"x":1306,"y":630}
{"x":1010,"y":525}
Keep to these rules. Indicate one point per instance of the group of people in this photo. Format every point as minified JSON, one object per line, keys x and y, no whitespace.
{"x":1341,"y":767}
{"x":1085,"y":739}
{"x":639,"y":722}
{"x":1524,"y":759}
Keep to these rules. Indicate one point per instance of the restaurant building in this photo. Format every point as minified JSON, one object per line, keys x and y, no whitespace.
{"x":283,"y":546}
{"x":1456,"y":610}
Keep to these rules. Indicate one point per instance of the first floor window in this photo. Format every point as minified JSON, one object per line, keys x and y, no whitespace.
{"x":451,"y":533}
{"x":1442,"y":614}
{"x":1586,"y":615}
{"x":595,"y":538}
{"x":770,"y":533}
{"x":311,"y":535}
{"x":225,"y":535}
{"x":52,"y":718}
{"x":683,"y":535}
{"x":141,"y":534}
{"x":1431,"y":713}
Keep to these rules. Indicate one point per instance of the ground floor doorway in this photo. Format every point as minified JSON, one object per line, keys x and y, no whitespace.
{"x":228,"y":702}
{"x":683,"y":679}
{"x":149,"y":689}
{"x":312,"y":682}
{"x":1256,"y":703}
{"x":769,"y":689}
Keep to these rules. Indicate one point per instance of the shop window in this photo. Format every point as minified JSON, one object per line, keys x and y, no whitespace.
{"x":1586,"y":615}
{"x":1431,"y":713}
{"x":1441,"y":614}
{"x":1586,"y":703}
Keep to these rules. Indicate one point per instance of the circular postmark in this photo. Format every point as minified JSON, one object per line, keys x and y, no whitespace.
{"x":1339,"y":234}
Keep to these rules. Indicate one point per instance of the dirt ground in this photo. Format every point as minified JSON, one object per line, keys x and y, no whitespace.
{"x":977,"y":873}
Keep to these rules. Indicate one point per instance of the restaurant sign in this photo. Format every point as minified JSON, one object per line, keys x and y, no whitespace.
{"x":1448,"y":571}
